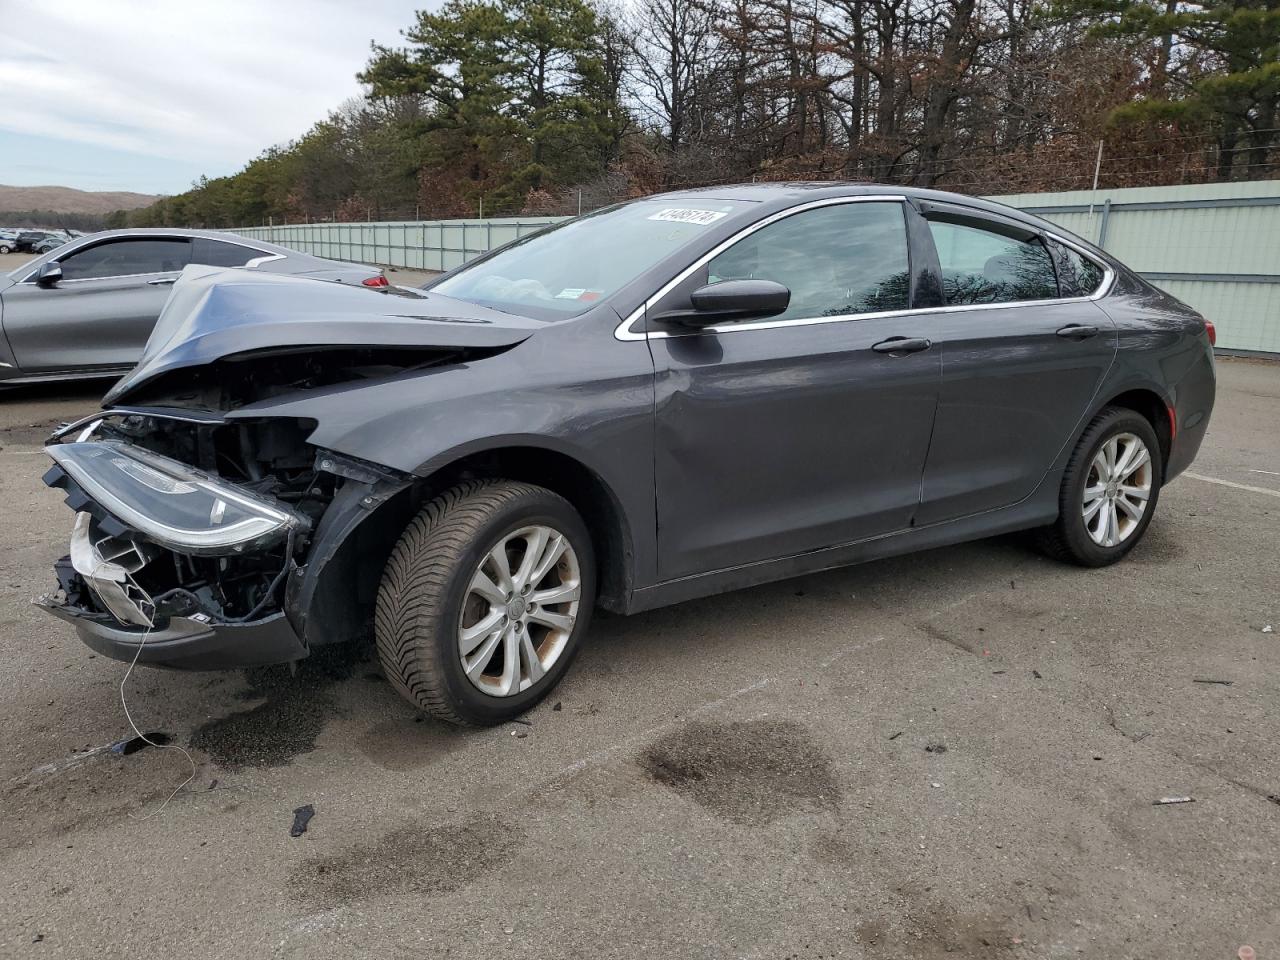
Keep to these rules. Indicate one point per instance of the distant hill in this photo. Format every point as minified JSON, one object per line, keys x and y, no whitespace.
{"x":67,"y":200}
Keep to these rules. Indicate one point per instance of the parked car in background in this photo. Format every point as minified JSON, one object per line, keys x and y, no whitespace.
{"x":8,"y":242}
{"x":27,"y":240}
{"x":86,"y":308}
{"x":51,"y":242}
{"x":666,"y":399}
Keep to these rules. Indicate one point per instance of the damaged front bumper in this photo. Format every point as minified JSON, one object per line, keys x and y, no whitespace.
{"x":187,"y":643}
{"x":251,"y":558}
{"x":138,"y":512}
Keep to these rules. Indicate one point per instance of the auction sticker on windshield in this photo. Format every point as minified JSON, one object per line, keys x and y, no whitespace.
{"x":685,"y":215}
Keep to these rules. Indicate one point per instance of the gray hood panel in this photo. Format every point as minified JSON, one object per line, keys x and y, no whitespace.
{"x":218,"y":313}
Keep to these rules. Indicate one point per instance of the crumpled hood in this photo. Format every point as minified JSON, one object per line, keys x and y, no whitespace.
{"x":215,"y":313}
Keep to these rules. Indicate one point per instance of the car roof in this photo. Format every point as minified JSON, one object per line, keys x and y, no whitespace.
{"x":783,"y":194}
{"x":194,"y":234}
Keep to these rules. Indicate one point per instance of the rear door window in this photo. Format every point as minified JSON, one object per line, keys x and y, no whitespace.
{"x":124,"y":258}
{"x":1078,"y":275}
{"x":221,"y":253}
{"x":981,"y":265}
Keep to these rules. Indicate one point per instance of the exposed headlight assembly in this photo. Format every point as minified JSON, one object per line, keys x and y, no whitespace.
{"x":173,"y":504}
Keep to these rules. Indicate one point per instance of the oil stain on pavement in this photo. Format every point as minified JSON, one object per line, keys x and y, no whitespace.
{"x":293,"y":711}
{"x":751,"y":772}
{"x":408,"y":860}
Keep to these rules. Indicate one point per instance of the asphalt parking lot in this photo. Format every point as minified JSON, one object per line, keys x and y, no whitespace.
{"x":950,"y":754}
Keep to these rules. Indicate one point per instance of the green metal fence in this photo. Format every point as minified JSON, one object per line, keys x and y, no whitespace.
{"x":415,"y":245}
{"x":1214,"y":246}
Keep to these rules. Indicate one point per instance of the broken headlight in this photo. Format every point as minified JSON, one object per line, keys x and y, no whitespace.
{"x":174,"y":505}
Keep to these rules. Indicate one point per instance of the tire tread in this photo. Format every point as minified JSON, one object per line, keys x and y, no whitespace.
{"x":415,"y":583}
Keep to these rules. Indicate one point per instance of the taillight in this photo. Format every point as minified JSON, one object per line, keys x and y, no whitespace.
{"x":1212,"y":332}
{"x":379,"y":281}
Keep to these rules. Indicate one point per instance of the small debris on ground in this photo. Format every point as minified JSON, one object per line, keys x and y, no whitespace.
{"x":1037,"y":674}
{"x":1268,"y":629}
{"x":134,"y":744}
{"x":1274,"y":797}
{"x":527,"y":723}
{"x":1164,"y":801}
{"x":558,"y":707}
{"x":895,"y":736}
{"x":1224,"y":683}
{"x":301,"y":817}
{"x":936,"y":748}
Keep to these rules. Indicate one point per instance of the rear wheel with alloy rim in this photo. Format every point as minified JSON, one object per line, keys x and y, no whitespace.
{"x":1109,"y":490}
{"x":484,"y":601}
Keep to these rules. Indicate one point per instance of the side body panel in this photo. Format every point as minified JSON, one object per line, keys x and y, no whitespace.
{"x":1012,"y":394}
{"x":83,"y":323}
{"x":571,"y":389}
{"x":1164,"y":350}
{"x":771,"y":442}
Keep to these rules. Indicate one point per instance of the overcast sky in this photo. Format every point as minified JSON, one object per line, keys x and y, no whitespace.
{"x":147,"y":95}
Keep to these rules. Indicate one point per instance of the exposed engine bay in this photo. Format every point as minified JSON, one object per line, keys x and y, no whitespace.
{"x":253,"y":495}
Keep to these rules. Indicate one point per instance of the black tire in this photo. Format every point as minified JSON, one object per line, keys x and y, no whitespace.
{"x":5,"y":249}
{"x":1068,"y":539}
{"x":425,"y":583}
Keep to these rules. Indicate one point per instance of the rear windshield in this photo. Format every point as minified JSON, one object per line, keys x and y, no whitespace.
{"x":567,"y":269}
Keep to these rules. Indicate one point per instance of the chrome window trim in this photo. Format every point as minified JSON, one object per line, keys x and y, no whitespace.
{"x":624,"y":332}
{"x":118,"y":276}
{"x":267,"y":257}
{"x":257,"y":261}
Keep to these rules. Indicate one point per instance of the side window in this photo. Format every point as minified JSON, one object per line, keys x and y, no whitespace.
{"x":122,"y":258}
{"x":1080,"y":276}
{"x":983,"y":266}
{"x":219,"y":253}
{"x":843,"y":259}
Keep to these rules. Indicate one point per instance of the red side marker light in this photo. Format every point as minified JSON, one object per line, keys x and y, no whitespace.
{"x":1212,"y":332}
{"x":378,"y":281}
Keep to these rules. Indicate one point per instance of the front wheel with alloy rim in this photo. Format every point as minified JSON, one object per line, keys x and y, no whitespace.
{"x":1109,"y":490}
{"x":484,"y":601}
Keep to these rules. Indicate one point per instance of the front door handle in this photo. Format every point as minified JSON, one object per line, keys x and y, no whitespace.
{"x":1078,"y":331}
{"x":900,"y":345}
{"x":162,"y":281}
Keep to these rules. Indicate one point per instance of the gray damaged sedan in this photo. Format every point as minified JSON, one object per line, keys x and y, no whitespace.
{"x":86,"y":308}
{"x":678,"y":396}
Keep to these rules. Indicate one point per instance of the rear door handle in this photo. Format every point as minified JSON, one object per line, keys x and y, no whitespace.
{"x":896,"y":345}
{"x":162,"y":281}
{"x":1078,"y":331}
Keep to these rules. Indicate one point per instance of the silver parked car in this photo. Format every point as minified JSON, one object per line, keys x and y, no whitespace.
{"x":86,"y":308}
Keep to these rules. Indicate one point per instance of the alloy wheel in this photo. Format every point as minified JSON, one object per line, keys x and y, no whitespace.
{"x":519,"y":610}
{"x":1117,"y":489}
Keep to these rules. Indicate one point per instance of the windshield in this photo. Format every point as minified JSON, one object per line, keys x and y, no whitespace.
{"x":572,"y":266}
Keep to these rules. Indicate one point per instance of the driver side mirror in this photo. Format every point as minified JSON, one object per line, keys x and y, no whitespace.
{"x":49,"y":274}
{"x":731,"y":300}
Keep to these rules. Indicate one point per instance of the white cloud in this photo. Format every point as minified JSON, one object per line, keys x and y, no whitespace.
{"x":209,"y":83}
